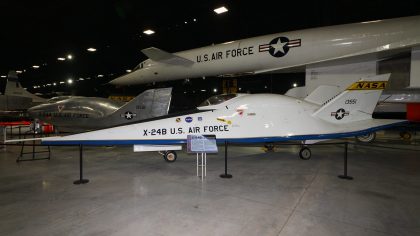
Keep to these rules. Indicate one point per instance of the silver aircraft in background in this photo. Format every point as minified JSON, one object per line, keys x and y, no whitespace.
{"x":76,"y":114}
{"x":16,"y":98}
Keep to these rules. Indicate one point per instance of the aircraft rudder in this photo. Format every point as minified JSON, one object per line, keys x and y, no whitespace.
{"x":151,"y":103}
{"x":356,"y":103}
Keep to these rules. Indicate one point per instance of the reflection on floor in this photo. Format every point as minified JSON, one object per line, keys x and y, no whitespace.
{"x":273,"y":193}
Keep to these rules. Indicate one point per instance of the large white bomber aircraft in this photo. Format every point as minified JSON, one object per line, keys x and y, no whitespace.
{"x":252,"y":118}
{"x":364,"y":41}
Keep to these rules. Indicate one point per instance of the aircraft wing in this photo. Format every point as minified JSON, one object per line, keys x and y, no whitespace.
{"x":159,"y":55}
{"x":372,"y":54}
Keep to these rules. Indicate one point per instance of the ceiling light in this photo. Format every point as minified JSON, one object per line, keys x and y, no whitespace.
{"x":149,"y":32}
{"x":35,"y":66}
{"x":19,"y":72}
{"x":61,"y":82}
{"x":91,"y":49}
{"x":215,"y":90}
{"x":61,"y":59}
{"x":3,"y":76}
{"x":295,"y":85}
{"x":100,"y":76}
{"x":194,"y":20}
{"x":54,"y":83}
{"x":185,"y":22}
{"x":69,"y":56}
{"x":35,"y":87}
{"x":220,"y":10}
{"x":203,"y":90}
{"x":70,"y":81}
{"x":81,"y":79}
{"x":128,"y":71}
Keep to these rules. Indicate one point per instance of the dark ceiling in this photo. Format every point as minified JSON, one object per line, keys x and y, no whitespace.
{"x":38,"y":32}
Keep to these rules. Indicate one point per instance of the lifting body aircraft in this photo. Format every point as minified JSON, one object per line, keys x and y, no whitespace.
{"x":252,"y":118}
{"x":288,"y":51}
{"x":72,"y":114}
{"x":16,"y":100}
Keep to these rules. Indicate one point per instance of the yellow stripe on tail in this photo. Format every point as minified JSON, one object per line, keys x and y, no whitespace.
{"x":368,"y":85}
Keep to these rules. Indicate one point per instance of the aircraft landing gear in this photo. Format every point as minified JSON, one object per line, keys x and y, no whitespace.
{"x":305,"y":153}
{"x":269,"y":147}
{"x":367,"y":138}
{"x":170,"y":156}
{"x":405,"y":135}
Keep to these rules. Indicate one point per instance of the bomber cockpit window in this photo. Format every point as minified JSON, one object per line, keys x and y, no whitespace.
{"x":139,"y":66}
{"x":217,"y":99}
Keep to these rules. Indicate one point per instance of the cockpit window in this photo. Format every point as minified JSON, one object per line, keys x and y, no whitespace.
{"x":139,"y":66}
{"x":217,"y":99}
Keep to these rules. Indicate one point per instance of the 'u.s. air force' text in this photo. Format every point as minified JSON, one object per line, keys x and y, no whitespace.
{"x":190,"y":130}
{"x":230,"y":53}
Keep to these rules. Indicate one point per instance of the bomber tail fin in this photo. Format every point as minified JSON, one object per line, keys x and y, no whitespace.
{"x":356,"y":103}
{"x":14,"y":88}
{"x":151,"y":103}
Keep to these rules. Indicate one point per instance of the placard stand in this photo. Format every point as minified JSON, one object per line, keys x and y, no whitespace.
{"x":202,"y":165}
{"x":201,"y":145}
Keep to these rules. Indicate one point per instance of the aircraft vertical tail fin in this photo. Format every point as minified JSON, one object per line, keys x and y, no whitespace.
{"x":356,"y":103}
{"x":14,"y":88}
{"x":151,"y":103}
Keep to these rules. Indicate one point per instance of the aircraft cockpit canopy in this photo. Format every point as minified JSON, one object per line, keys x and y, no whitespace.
{"x":139,"y":66}
{"x":217,"y":99}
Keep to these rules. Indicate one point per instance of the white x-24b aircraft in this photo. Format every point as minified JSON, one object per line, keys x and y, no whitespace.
{"x":252,"y":118}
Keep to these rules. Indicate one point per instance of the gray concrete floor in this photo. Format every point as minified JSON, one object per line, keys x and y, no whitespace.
{"x":272,"y":193}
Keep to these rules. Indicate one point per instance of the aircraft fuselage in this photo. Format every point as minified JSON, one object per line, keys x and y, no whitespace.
{"x":283,"y":50}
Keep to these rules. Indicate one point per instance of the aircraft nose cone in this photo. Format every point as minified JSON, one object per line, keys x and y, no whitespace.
{"x":127,"y":79}
{"x":119,"y":81}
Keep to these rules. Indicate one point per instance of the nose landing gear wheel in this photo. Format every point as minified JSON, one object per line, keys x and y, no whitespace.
{"x":305,"y":153}
{"x":170,"y":156}
{"x":269,"y":147}
{"x":367,"y":138}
